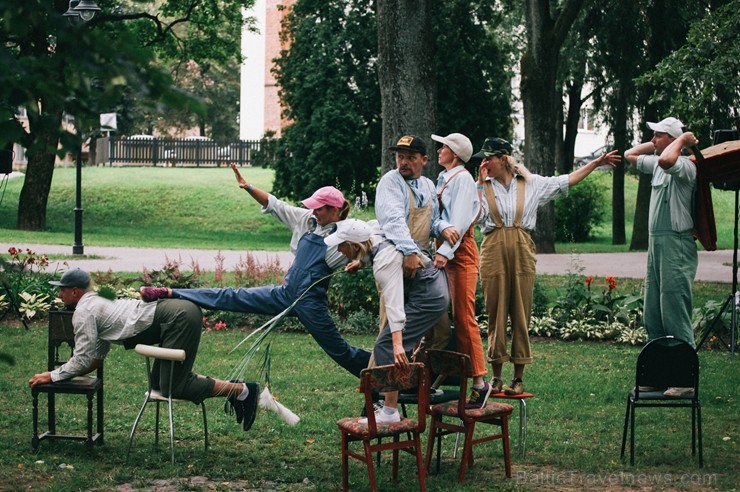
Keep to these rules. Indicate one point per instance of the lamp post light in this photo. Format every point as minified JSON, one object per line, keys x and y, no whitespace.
{"x":84,"y":10}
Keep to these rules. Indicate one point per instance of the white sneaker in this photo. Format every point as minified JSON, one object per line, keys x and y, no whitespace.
{"x":382,"y":418}
{"x":679,"y":392}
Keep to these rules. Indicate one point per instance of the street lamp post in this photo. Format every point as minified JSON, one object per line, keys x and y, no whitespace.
{"x":84,"y":10}
{"x":78,"y":248}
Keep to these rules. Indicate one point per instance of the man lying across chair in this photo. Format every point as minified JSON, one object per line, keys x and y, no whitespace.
{"x":171,"y":323}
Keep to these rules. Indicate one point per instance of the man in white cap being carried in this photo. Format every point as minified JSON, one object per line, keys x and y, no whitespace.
{"x":672,"y":257}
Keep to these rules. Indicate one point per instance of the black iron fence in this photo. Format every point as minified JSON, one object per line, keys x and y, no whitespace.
{"x":174,"y":152}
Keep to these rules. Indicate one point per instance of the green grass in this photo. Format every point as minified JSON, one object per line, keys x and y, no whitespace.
{"x":203,"y":208}
{"x":575,"y":425}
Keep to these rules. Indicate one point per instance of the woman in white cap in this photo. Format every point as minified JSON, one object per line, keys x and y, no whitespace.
{"x":412,"y":304}
{"x":313,"y":261}
{"x":511,"y":196}
{"x":459,"y":206}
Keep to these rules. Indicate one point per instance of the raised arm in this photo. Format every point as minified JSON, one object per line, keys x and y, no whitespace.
{"x":611,"y":158}
{"x":644,"y":148}
{"x":671,"y":153}
{"x":257,"y":194}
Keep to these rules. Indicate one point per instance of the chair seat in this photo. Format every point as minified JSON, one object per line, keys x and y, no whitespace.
{"x":520,"y":396}
{"x":157,"y":395}
{"x":658,"y":395}
{"x":352,"y":425}
{"x":492,"y":409}
{"x":79,"y":384}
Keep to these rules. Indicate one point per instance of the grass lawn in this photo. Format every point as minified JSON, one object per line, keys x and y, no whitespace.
{"x":575,"y":425}
{"x":203,"y":208}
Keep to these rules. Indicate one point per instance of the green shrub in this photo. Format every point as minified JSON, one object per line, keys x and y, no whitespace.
{"x":353,"y":292}
{"x":577,"y":214}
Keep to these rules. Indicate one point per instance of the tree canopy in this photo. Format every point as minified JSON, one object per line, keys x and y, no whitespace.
{"x":54,"y":67}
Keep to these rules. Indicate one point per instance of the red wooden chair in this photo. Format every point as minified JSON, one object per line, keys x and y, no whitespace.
{"x":456,"y":365}
{"x":383,"y":379}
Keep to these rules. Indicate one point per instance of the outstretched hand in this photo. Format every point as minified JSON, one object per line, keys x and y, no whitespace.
{"x":241,"y":181}
{"x":610,"y":158}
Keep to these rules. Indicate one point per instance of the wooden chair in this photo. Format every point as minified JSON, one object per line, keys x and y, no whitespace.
{"x":456,"y":365}
{"x":61,"y":332}
{"x":380,"y":379}
{"x":665,"y":362}
{"x":162,"y":355}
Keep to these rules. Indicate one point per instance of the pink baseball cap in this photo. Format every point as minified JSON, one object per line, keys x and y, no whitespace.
{"x":328,"y":195}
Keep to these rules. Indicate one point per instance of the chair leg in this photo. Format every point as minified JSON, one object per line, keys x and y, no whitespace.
{"x":100,"y":416}
{"x":89,"y":440}
{"x":632,"y":434}
{"x":430,"y":444}
{"x":370,"y":466}
{"x":136,"y":423}
{"x":156,"y":425}
{"x":624,"y":431}
{"x":698,"y":424}
{"x":522,"y":428}
{"x":51,"y":413}
{"x":205,"y":423}
{"x":420,"y":463}
{"x":507,"y":447}
{"x":394,"y":465}
{"x":345,"y":462}
{"x":467,"y":455}
{"x":35,"y":437}
{"x":172,"y":429}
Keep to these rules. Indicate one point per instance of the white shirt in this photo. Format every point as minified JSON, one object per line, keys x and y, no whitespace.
{"x":460,"y":204}
{"x":392,"y":208}
{"x":538,"y":191}
{"x":681,"y":178}
{"x":300,"y":221}
{"x":98,"y":322}
{"x":388,"y":273}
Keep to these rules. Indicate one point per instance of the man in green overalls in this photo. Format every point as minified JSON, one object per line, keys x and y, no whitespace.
{"x":672,"y":257}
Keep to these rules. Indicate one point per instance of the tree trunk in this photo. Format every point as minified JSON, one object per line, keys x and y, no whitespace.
{"x":541,"y":98}
{"x":39,"y":172}
{"x":406,"y":75}
{"x":565,"y":159}
{"x":665,"y":34}
{"x":621,"y":141}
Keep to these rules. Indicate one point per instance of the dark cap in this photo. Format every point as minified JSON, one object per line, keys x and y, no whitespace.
{"x":73,"y":278}
{"x":494,"y":146}
{"x":410,"y":143}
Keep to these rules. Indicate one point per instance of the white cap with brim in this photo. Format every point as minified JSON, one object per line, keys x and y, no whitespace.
{"x":73,"y":278}
{"x":671,"y":126}
{"x":349,"y":230}
{"x":458,"y":143}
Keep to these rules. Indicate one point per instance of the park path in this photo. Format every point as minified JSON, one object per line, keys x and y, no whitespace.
{"x":713,"y":265}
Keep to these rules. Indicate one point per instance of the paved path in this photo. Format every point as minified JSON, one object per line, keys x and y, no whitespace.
{"x":713,"y":266}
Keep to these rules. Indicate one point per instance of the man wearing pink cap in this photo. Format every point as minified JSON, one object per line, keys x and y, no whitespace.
{"x":313,"y":261}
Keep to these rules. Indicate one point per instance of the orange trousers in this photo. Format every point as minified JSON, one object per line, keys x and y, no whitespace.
{"x":462,"y":276}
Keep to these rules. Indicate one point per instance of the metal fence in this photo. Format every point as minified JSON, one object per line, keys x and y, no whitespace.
{"x":173,"y":152}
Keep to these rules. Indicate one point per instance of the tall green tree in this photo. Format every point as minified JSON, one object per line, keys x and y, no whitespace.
{"x":701,"y":80}
{"x":666,"y":26}
{"x":473,"y":66}
{"x":329,"y":89}
{"x":547,"y":26}
{"x":332,"y":93}
{"x":53,"y":67}
{"x":406,"y":73}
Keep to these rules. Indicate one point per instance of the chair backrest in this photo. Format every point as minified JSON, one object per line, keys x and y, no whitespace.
{"x":391,"y":378}
{"x":61,"y":332}
{"x":668,"y":362}
{"x":451,"y":365}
